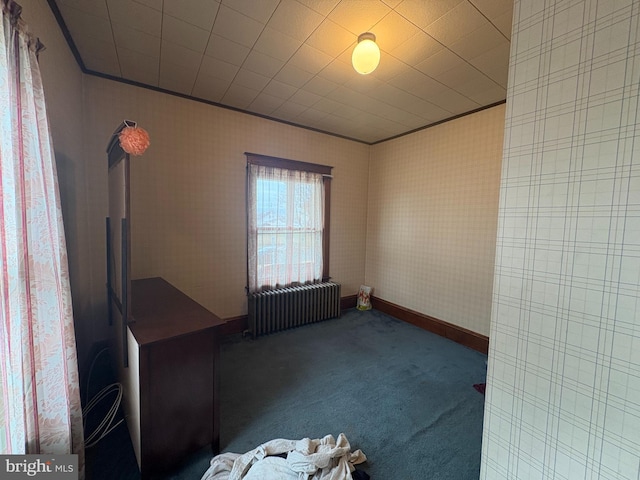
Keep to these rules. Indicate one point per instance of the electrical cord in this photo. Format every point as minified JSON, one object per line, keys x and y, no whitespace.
{"x":105,"y":426}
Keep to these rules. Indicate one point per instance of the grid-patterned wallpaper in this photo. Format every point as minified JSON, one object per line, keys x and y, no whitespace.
{"x":563,"y":398}
{"x":432,"y":219}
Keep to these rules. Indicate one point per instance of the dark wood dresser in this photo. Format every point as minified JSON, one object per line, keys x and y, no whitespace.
{"x":171,"y":383}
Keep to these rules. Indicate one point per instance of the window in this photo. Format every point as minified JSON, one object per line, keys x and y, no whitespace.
{"x":287,"y":222}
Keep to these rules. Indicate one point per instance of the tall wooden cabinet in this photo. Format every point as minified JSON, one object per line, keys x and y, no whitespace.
{"x":171,"y":396}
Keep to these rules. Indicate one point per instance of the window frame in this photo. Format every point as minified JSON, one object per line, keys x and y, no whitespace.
{"x":284,"y":163}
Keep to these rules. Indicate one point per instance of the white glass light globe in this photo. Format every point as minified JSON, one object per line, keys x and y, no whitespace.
{"x":365,"y":57}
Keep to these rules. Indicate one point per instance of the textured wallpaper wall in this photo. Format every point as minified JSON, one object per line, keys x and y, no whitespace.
{"x":563,"y":398}
{"x":433,"y":209}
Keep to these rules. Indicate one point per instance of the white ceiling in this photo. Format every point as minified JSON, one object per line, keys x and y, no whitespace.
{"x":290,"y":60}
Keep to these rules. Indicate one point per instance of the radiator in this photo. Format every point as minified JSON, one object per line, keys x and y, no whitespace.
{"x":291,"y":307}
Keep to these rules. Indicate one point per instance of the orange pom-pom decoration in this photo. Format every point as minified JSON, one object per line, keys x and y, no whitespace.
{"x":134,"y":140}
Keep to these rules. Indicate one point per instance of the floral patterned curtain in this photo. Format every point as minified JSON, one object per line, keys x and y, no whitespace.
{"x":40,"y":408}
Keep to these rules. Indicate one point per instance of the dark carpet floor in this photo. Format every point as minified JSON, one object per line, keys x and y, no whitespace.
{"x":402,"y":395}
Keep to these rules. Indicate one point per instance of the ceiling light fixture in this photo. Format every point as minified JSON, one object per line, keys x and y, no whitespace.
{"x":366,"y":56}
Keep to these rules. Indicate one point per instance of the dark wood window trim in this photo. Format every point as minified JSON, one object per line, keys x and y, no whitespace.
{"x":325,"y":171}
{"x":267,"y":161}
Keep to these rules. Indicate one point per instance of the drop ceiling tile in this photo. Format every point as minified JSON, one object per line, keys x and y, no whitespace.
{"x":323,"y":7}
{"x":455,"y":24}
{"x":347,"y":112}
{"x":327,"y":105}
{"x":429,"y":89}
{"x":177,"y":78}
{"x":254,"y":81}
{"x":359,"y":123}
{"x":352,"y":98}
{"x":392,"y":95}
{"x":265,"y":104}
{"x":416,"y":48}
{"x":412,"y":123}
{"x":323,"y":124}
{"x":295,"y":20}
{"x":263,"y":64}
{"x":359,"y":16}
{"x":139,"y":67}
{"x":331,"y":38}
{"x":397,"y":115}
{"x":493,"y":94}
{"x":91,"y":7}
{"x":237,"y":27}
{"x":309,"y":59}
{"x":484,"y":38}
{"x":279,"y":89}
{"x":260,"y":11}
{"x":179,"y":56}
{"x":311,"y":115}
{"x":494,"y":8}
{"x":393,"y":30}
{"x":364,"y":133}
{"x":320,"y":86}
{"x":293,"y":76}
{"x":454,"y":102}
{"x":289,"y":110}
{"x":409,"y":79}
{"x":210,"y":88}
{"x":494,"y":63}
{"x":374,"y":106}
{"x":98,"y":55}
{"x":135,"y":15}
{"x":302,"y":97}
{"x":504,"y":22}
{"x":476,"y":85}
{"x":390,"y":133}
{"x":439,"y":63}
{"x":365,"y":84}
{"x":423,"y":13}
{"x":226,"y":50}
{"x":216,"y":68}
{"x":338,"y":72}
{"x":345,"y":57}
{"x":424,"y":109}
{"x":185,"y":34}
{"x":411,"y":103}
{"x":83,"y":24}
{"x":155,"y":4}
{"x":196,"y":12}
{"x":383,"y":126}
{"x":388,"y":68}
{"x":136,"y":40}
{"x":276,"y":44}
{"x":460,"y":75}
{"x":238,"y":96}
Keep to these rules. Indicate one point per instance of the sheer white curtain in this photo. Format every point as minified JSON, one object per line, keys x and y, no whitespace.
{"x":39,"y":395}
{"x":285,"y":225}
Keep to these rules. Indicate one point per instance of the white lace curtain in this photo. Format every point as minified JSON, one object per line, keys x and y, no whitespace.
{"x":39,"y":396}
{"x":285,"y":227}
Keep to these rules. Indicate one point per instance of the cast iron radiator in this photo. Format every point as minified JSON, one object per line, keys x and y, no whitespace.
{"x":290,"y":307}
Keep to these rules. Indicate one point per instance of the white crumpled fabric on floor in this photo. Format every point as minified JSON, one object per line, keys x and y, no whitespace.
{"x":306,"y":459}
